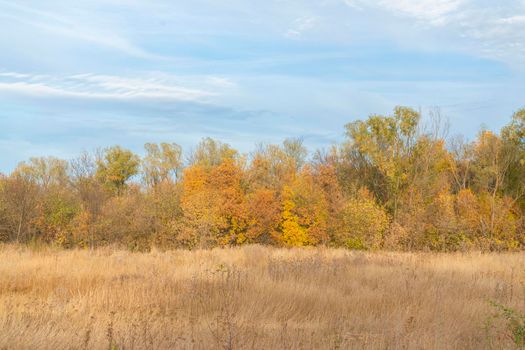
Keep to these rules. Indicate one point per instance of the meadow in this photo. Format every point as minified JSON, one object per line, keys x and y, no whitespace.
{"x":256,"y":297}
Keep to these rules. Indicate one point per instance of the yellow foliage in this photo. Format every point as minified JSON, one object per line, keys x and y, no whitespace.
{"x":293,"y":234}
{"x":213,"y":205}
{"x":364,"y":222}
{"x":264,"y":216}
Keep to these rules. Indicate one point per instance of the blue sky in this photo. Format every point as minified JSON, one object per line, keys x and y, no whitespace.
{"x":86,"y":74}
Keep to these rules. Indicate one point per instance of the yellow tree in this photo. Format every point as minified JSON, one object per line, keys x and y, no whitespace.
{"x":304,"y":212}
{"x":196,"y":227}
{"x":292,"y":233}
{"x":213,"y":205}
{"x":364,"y":222}
{"x":224,"y":185}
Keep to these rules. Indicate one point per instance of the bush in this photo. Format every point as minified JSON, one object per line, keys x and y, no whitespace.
{"x":364,"y":222}
{"x":514,"y":324}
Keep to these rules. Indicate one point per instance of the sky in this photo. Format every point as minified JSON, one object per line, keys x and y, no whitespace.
{"x":82,"y":75}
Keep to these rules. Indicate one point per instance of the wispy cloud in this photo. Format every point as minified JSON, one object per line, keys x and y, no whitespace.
{"x":301,"y":25}
{"x":488,"y":29}
{"x":435,"y":12}
{"x":93,"y":86}
{"x":513,"y":20}
{"x":73,"y":26}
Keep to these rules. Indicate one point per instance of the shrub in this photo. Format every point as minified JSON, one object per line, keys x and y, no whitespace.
{"x":514,"y":324}
{"x":364,"y":222}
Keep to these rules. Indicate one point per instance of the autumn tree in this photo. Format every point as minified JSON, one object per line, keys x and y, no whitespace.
{"x":19,"y":197}
{"x":92,"y":193}
{"x":57,"y":205}
{"x":196,"y":227}
{"x":493,"y":161}
{"x":304,"y":215}
{"x":292,"y":233}
{"x":116,"y":166}
{"x":295,"y":151}
{"x":427,"y":195}
{"x":162,"y":162}
{"x":213,"y":205}
{"x":381,"y":147}
{"x":210,"y":153}
{"x":164,"y":203}
{"x":513,"y":136}
{"x":39,"y":199}
{"x":515,"y":131}
{"x":273,"y":166}
{"x":263,"y":214}
{"x":364,"y":222}
{"x":229,"y":201}
{"x":127,"y":221}
{"x":327,"y":177}
{"x":462,"y":153}
{"x":393,"y":184}
{"x":4,"y":223}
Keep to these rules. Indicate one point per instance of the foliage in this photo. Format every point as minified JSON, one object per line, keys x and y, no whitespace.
{"x":292,"y":233}
{"x":116,"y":167}
{"x":393,"y":184}
{"x":364,"y":222}
{"x":162,"y":163}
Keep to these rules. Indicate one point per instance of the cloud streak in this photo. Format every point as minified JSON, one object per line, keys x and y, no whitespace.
{"x":301,"y":25}
{"x":488,"y":29}
{"x":93,"y":86}
{"x":73,"y":27}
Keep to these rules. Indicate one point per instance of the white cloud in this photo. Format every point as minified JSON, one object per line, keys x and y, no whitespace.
{"x":73,"y":26}
{"x":488,"y":29}
{"x":301,"y":25}
{"x":513,"y":20}
{"x":93,"y":86}
{"x":436,"y":12}
{"x":14,"y":75}
{"x":431,"y":12}
{"x":156,"y":30}
{"x":222,"y":82}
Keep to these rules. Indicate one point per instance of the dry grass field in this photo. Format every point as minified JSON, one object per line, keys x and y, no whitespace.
{"x":255,"y":298}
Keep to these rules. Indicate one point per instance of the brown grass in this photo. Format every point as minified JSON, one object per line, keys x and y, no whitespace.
{"x":253,"y":298}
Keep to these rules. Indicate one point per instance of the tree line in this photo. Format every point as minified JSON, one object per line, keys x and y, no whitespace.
{"x":393,"y":183}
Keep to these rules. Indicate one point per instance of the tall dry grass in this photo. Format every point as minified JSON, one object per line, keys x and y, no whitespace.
{"x":254,"y":298}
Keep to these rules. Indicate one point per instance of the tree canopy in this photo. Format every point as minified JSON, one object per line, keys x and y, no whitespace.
{"x":393,"y":183}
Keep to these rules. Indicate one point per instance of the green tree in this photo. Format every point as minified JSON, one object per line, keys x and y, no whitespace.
{"x":383,"y":145}
{"x":116,"y":167}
